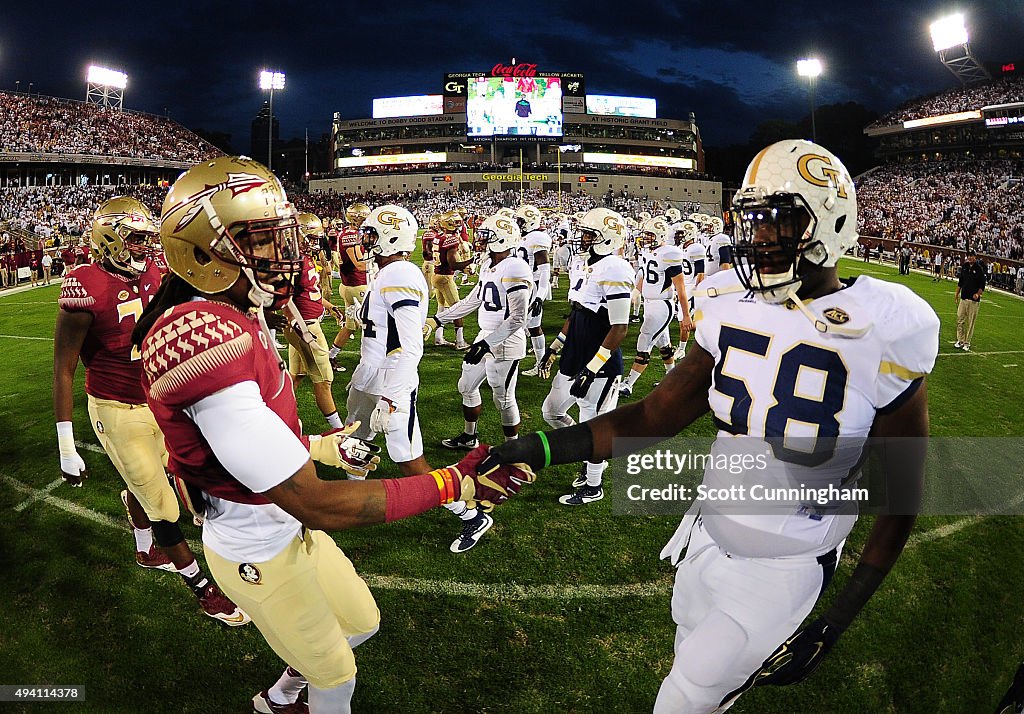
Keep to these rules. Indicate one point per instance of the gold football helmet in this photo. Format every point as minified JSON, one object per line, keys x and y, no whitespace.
{"x":123,"y":232}
{"x":311,"y":229}
{"x":228,"y":217}
{"x":356,"y":213}
{"x":450,"y":221}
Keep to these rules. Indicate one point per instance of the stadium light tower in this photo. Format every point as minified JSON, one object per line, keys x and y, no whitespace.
{"x":949,"y":38}
{"x":810,"y":68}
{"x":105,"y":87}
{"x":271,"y":80}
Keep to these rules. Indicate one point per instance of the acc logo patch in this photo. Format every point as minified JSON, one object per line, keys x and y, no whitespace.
{"x":250,"y":573}
{"x":837,"y":316}
{"x":123,"y":295}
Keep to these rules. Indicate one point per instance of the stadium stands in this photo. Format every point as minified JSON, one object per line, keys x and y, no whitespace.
{"x":954,"y":204}
{"x":999,"y":91}
{"x":48,"y":125}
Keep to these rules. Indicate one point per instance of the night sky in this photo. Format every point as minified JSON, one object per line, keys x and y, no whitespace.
{"x":731,"y":63}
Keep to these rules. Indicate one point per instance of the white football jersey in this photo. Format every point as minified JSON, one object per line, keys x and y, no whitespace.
{"x":609,"y":278}
{"x":392,"y":342}
{"x":577,"y":272}
{"x":490,"y":298}
{"x":716,"y":252}
{"x":693,"y":264}
{"x":657,"y":268}
{"x":534,"y":242}
{"x":814,"y":394}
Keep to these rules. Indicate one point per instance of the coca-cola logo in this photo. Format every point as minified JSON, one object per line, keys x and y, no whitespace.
{"x":523,"y":69}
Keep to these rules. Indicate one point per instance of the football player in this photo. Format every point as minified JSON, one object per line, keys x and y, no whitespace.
{"x":686,"y":237}
{"x":501,"y":299}
{"x":382,"y":393}
{"x":661,"y":284}
{"x":99,"y":304}
{"x":312,"y":304}
{"x":452,"y":256}
{"x":223,"y":400}
{"x":352,"y":268}
{"x":534,"y":249}
{"x":718,"y":250}
{"x":591,"y":361}
{"x":804,"y":362}
{"x":429,"y":239}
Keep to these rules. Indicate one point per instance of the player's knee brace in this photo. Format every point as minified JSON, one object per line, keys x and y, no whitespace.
{"x":167,"y":534}
{"x":667,"y":352}
{"x":642,"y":358}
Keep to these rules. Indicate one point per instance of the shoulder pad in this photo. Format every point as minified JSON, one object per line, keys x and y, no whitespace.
{"x":186,"y":353}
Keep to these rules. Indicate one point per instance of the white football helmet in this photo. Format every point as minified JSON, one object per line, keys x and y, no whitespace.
{"x":528,"y":217}
{"x":715,"y":225}
{"x":602,"y":231}
{"x":797,"y":207}
{"x":644,"y":216}
{"x":685,"y":233}
{"x":674,"y":215}
{"x":506,"y":212}
{"x":389,"y":230}
{"x":655,"y":231}
{"x":498,"y":233}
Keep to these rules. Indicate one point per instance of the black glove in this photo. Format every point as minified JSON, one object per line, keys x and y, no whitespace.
{"x":798,"y":656}
{"x":476,"y":352}
{"x":536,"y":306}
{"x":526,"y":450}
{"x":581,"y":383}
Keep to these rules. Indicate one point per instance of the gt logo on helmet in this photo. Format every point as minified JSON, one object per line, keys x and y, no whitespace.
{"x":828,"y":173}
{"x":504,"y":224}
{"x":390,"y":218}
{"x":612,"y":223}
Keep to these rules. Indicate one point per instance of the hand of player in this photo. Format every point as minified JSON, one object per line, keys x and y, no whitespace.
{"x":275,"y":320}
{"x":336,"y":448}
{"x":476,"y":352}
{"x":381,"y":415}
{"x":429,"y":326}
{"x":799,"y":656}
{"x":977,"y":295}
{"x":686,"y":324}
{"x":492,"y":484}
{"x":680,"y":351}
{"x":511,"y":452}
{"x":535,"y":307}
{"x":73,"y":469}
{"x":547,"y":361}
{"x":581,"y":383}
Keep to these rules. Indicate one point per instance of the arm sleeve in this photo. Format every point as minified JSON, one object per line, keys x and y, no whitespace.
{"x":618,"y":310}
{"x":247,"y":437}
{"x":910,"y":346}
{"x":542,"y":276}
{"x":464,"y":306}
{"x":518,"y":301}
{"x":401,"y":377}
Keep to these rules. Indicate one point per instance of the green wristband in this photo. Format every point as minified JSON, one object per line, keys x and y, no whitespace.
{"x":547,"y":448}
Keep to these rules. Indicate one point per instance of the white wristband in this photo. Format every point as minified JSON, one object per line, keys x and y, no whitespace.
{"x":65,"y":439}
{"x":597,"y":361}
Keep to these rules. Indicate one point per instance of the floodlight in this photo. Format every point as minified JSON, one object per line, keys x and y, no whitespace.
{"x":107,"y":77}
{"x":948,"y":32}
{"x":271,"y":80}
{"x":808,"y":67}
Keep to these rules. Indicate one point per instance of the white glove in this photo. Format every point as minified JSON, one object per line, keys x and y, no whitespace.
{"x":352,"y":313}
{"x":72,"y":466}
{"x":381,"y":415}
{"x":680,"y":352}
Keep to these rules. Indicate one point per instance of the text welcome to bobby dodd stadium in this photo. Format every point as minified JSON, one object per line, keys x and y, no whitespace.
{"x":742,"y":475}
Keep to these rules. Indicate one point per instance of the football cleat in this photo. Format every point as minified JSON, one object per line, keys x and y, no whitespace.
{"x":335,"y":365}
{"x":464,"y":441}
{"x":217,"y":605}
{"x":581,"y":478}
{"x":625,"y":391}
{"x":263,"y":704}
{"x":155,"y":559}
{"x":533,"y":371}
{"x":958,"y":344}
{"x":461,"y":345}
{"x":472,"y":531}
{"x":966,"y":347}
{"x":440,"y":341}
{"x":583,"y":495}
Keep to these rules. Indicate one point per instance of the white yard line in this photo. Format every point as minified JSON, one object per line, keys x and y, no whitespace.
{"x":22,"y":337}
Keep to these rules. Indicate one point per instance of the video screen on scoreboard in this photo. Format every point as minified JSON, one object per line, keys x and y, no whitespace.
{"x":514,"y":106}
{"x":622,"y":106}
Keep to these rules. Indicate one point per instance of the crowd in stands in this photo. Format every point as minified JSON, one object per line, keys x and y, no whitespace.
{"x":514,"y":167}
{"x":50,"y":212}
{"x":38,"y":124}
{"x":999,"y":91}
{"x":960,"y":205}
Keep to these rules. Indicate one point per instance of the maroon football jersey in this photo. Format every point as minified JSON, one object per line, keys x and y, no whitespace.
{"x":112,"y":366}
{"x":160,"y":261}
{"x":308,"y":297}
{"x":444,"y":243}
{"x":351,"y":276}
{"x":192,"y":351}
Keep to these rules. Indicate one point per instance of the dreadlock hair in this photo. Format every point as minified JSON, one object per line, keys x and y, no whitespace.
{"x":173,"y":291}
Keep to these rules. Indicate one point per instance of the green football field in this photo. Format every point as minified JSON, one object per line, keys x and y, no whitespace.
{"x":556,"y":610}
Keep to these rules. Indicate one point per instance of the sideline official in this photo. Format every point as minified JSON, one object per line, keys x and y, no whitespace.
{"x":968,"y":298}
